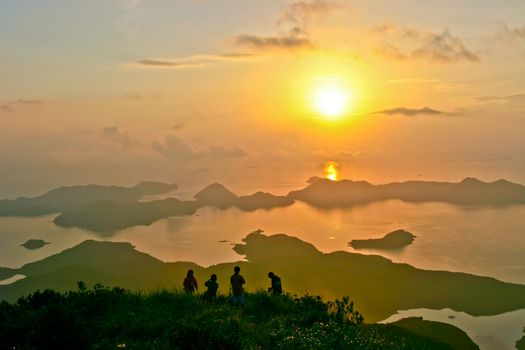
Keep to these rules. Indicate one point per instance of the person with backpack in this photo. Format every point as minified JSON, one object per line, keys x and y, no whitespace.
{"x":277,"y":287}
{"x":190,"y":283}
{"x":212,"y":285}
{"x":237,"y":282}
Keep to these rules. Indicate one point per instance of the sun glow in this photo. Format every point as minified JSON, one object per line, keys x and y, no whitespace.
{"x":331,"y":171}
{"x":331,"y":99}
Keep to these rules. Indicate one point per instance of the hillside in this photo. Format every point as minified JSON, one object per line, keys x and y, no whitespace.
{"x":71,"y":198}
{"x":471,"y":191}
{"x":107,"y":209}
{"x":377,"y":285}
{"x":103,"y":318}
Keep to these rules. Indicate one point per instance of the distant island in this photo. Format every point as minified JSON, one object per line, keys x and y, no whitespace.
{"x":378,"y":286}
{"x":107,"y":217}
{"x":216,"y":195}
{"x":71,"y":198}
{"x":107,"y":209}
{"x":393,"y":240}
{"x":32,"y":244}
{"x":325,"y":193}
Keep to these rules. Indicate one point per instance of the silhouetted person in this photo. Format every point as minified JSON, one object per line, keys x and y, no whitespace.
{"x":277,"y":287}
{"x":237,"y":290}
{"x":212,"y":285}
{"x":190,"y":283}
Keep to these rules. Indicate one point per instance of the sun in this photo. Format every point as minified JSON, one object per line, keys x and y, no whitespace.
{"x":331,"y":171}
{"x":331,"y":99}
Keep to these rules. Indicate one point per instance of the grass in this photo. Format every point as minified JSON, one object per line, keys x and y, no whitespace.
{"x":103,"y":318}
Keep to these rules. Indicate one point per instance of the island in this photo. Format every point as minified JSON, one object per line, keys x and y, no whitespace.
{"x":378,"y":286}
{"x":324,"y":193}
{"x":107,"y":217}
{"x":107,"y":209}
{"x":71,"y":198}
{"x":443,"y":331}
{"x":32,"y":244}
{"x":394,"y":240}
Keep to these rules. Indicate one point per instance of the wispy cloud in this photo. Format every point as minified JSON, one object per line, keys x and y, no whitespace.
{"x":416,"y":80}
{"x":175,"y":148}
{"x":128,"y":20}
{"x":296,"y":38}
{"x":194,"y":61}
{"x":509,"y":34}
{"x":301,"y":11}
{"x":518,"y":98}
{"x":406,"y":43}
{"x":119,"y":136}
{"x":436,"y":84}
{"x":11,"y":106}
{"x":143,"y":97}
{"x":410,"y":112}
{"x":293,"y":33}
{"x":222,"y":151}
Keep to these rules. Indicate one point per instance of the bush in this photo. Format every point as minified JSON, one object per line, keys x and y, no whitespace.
{"x":103,"y":318}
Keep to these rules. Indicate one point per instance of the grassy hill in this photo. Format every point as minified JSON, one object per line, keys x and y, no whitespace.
{"x":377,"y":285}
{"x":103,"y":318}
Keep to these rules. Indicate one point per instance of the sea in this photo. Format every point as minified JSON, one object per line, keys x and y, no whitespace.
{"x":481,"y":240}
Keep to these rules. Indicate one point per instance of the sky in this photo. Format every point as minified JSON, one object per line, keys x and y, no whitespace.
{"x":202,"y":91}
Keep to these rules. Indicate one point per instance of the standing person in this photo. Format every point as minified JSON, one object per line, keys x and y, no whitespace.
{"x":190,"y":283}
{"x":212,"y":285}
{"x":237,"y":290}
{"x":277,"y":287}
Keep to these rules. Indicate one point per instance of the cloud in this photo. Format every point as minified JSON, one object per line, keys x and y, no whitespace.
{"x":488,"y":98}
{"x":517,"y":99}
{"x":121,"y":137}
{"x":11,"y":106}
{"x":410,"y":112}
{"x":506,"y":98}
{"x":143,"y":97}
{"x":175,"y":148}
{"x":444,"y":47}
{"x":221,"y":151}
{"x":436,"y":84}
{"x":404,"y":43}
{"x":300,"y":11}
{"x":510,"y":35}
{"x":296,"y":38}
{"x":129,"y":18}
{"x":173,"y":63}
{"x":194,"y":61}
{"x":293,"y":24}
{"x":416,"y":80}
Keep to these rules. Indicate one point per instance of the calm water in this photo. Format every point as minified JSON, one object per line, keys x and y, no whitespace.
{"x":484,"y":241}
{"x":499,"y":332}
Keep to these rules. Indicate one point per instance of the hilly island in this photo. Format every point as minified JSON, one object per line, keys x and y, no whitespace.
{"x":327,"y":293}
{"x":376,"y":286}
{"x":107,"y":209}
